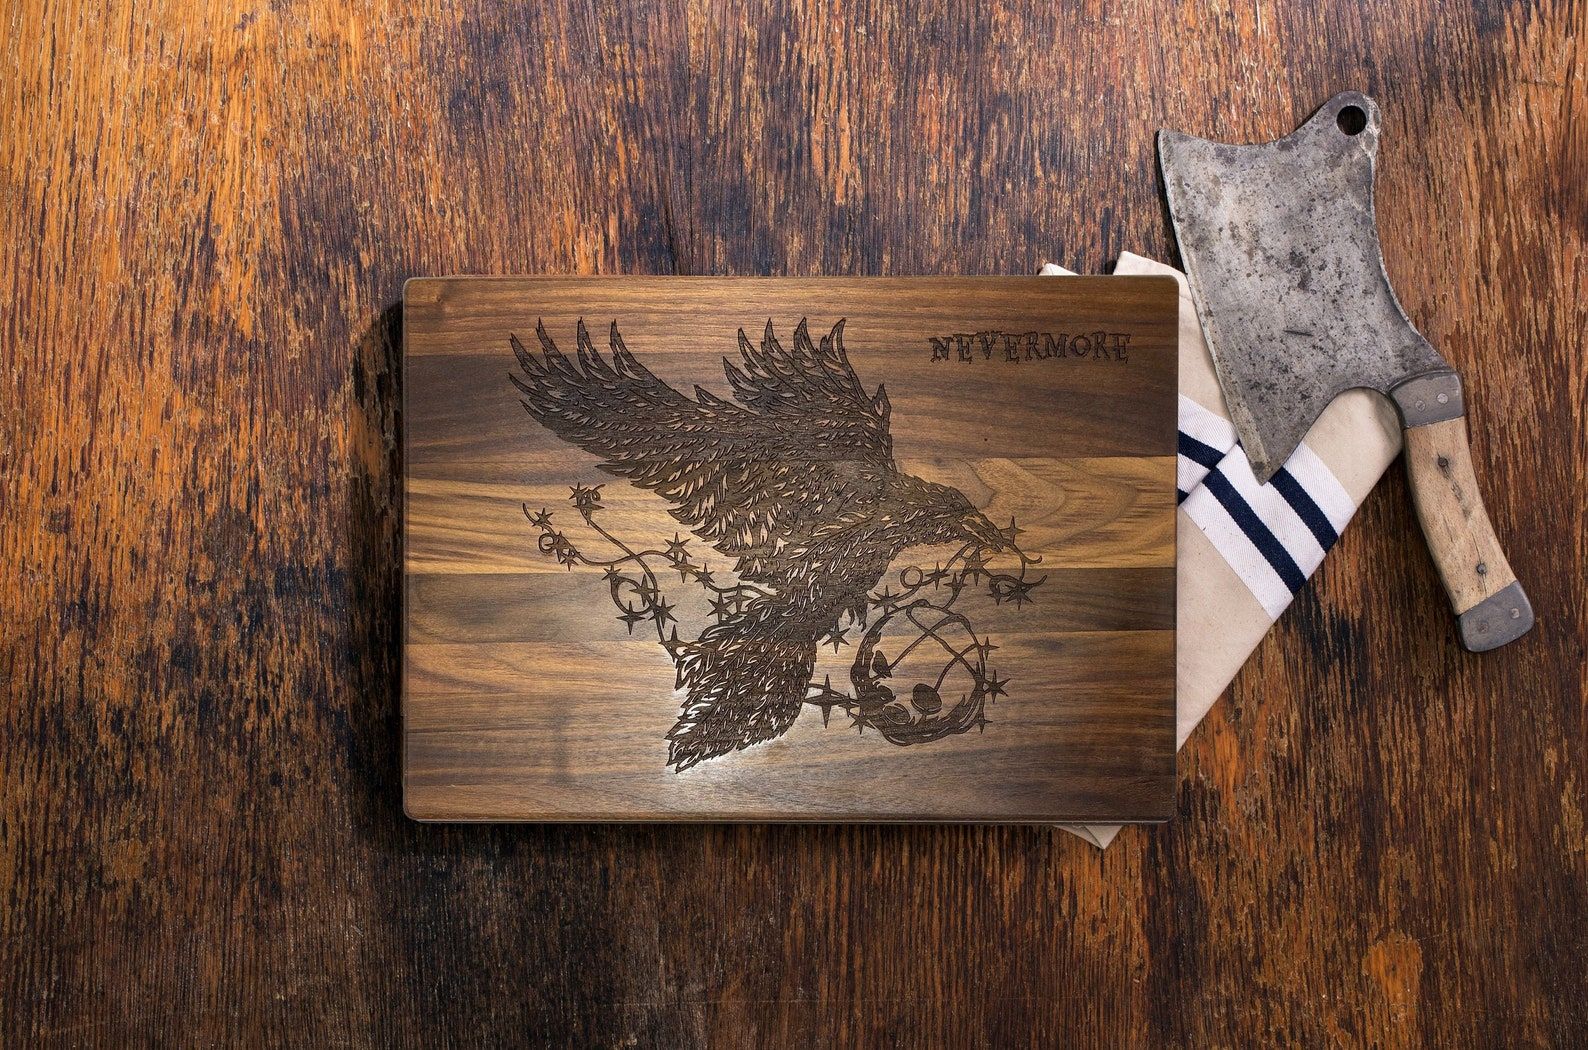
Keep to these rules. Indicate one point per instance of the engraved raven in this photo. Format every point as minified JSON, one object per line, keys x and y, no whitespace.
{"x":795,"y":480}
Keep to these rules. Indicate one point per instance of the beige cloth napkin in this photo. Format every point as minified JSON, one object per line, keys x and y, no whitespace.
{"x":1243,"y":549}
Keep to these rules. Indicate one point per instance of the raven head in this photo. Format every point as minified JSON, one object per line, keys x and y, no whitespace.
{"x":941,"y":514}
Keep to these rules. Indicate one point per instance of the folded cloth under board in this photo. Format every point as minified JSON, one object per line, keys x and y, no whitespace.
{"x":1243,"y":550}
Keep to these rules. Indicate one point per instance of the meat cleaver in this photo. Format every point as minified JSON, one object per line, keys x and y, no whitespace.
{"x":1281,"y":250}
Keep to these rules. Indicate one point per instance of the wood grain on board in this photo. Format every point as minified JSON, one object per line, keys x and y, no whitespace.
{"x":1024,"y":422}
{"x":210,"y":210}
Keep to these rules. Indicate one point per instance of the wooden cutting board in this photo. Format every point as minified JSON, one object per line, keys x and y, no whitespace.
{"x":865,"y":549}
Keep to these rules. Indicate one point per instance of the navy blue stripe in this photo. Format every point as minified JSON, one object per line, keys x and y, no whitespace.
{"x":1180,"y":495}
{"x":1305,"y":508}
{"x":1265,"y":541}
{"x":1197,"y":452}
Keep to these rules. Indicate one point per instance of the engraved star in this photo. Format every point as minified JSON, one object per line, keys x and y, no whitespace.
{"x":975,"y":565}
{"x":721,"y":608}
{"x":886,"y":598}
{"x":702,"y":575}
{"x":662,"y":612}
{"x":827,"y":698}
{"x":1012,"y":531}
{"x":675,"y":647}
{"x":586,"y":497}
{"x":995,"y":686}
{"x":835,"y":638}
{"x":541,"y":520}
{"x":631,"y":616}
{"x":1020,"y":592}
{"x":986,"y":647}
{"x":676,"y":551}
{"x":647,"y":592}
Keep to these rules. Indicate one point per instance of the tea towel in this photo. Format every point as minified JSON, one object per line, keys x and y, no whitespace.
{"x":1243,"y":550}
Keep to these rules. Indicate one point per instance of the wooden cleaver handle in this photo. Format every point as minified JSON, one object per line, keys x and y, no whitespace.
{"x":1492,"y":607}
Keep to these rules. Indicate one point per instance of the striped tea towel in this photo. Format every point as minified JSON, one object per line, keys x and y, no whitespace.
{"x":1242,"y":549}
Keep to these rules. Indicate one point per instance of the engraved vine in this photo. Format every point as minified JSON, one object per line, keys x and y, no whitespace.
{"x":926,"y":601}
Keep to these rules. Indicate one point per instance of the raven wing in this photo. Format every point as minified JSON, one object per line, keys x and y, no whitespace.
{"x":804,"y":442}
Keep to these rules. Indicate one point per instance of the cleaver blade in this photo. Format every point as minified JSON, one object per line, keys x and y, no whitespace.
{"x":1281,"y":250}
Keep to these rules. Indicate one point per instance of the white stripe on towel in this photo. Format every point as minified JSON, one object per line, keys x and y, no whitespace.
{"x":1274,"y":536}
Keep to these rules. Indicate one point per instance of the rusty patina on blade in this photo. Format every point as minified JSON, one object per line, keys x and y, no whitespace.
{"x":1281,"y":249}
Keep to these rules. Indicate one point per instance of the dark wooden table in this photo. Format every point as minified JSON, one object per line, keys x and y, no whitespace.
{"x":210,"y":212}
